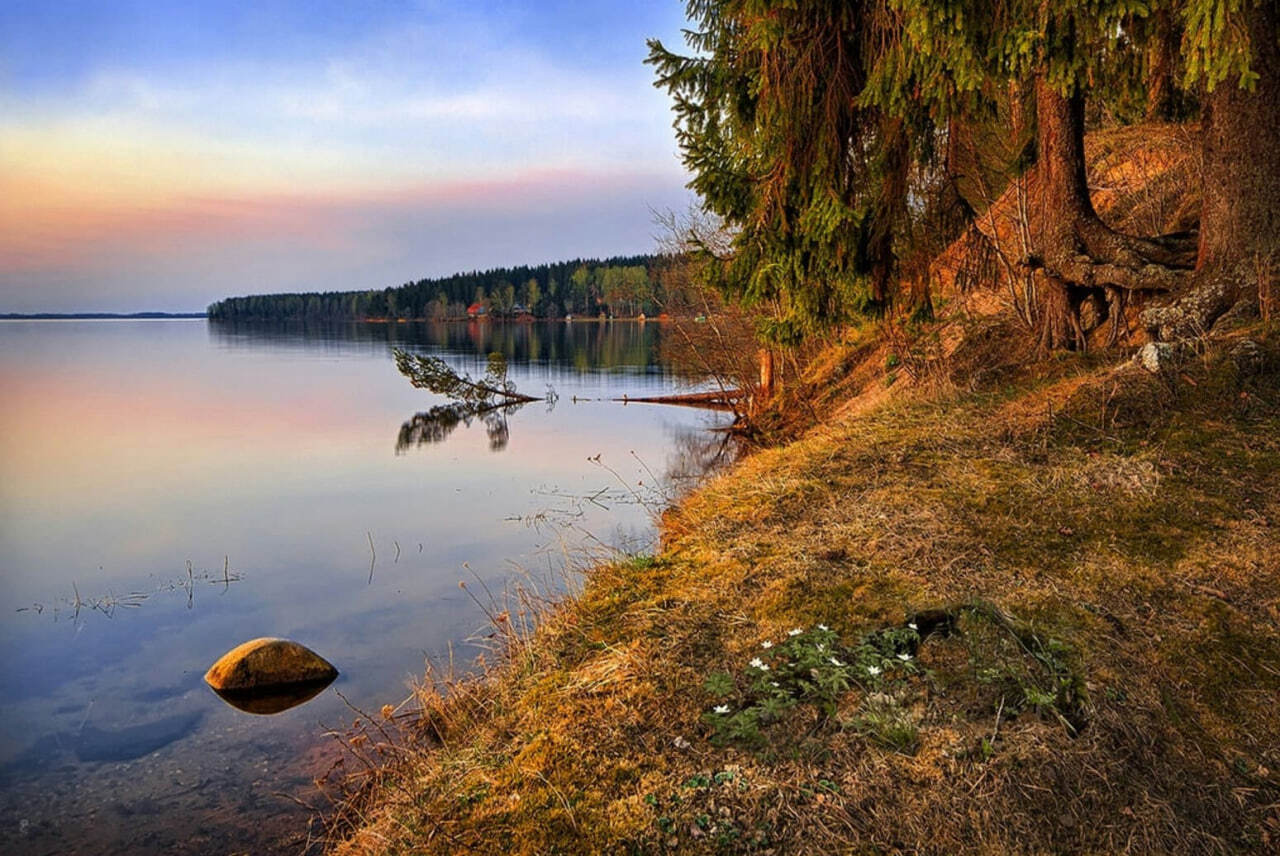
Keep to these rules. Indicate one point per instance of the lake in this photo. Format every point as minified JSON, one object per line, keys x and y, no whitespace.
{"x":173,"y":488}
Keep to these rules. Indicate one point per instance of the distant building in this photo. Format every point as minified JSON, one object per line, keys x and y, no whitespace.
{"x":477,"y":310}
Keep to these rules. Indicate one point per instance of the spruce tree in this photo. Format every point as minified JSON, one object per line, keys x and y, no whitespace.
{"x":769,"y":122}
{"x":802,"y":121}
{"x":1233,"y":52}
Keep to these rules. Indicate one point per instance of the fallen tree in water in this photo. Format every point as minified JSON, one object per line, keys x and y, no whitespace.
{"x":489,"y":399}
{"x":435,"y":375}
{"x":470,"y":397}
{"x":722,"y":399}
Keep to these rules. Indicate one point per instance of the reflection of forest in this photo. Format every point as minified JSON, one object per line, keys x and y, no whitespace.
{"x":576,"y":347}
{"x":436,"y":424}
{"x":697,"y":452}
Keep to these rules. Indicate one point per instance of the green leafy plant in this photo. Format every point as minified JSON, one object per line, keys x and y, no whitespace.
{"x":807,"y":667}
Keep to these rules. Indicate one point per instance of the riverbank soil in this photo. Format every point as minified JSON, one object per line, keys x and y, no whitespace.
{"x":1038,"y":611}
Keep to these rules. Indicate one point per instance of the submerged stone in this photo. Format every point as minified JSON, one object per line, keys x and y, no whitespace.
{"x":268,"y":664}
{"x":134,"y":741}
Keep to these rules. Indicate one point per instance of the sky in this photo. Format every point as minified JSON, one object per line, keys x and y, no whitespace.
{"x":162,"y":155}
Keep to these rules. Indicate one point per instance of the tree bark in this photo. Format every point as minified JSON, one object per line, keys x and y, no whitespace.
{"x":766,"y":373}
{"x":1162,"y":95}
{"x":1239,"y":252}
{"x":1072,"y":241}
{"x":1241,"y":213}
{"x":1075,"y":249}
{"x":893,"y":193}
{"x":1061,"y":204}
{"x":956,"y":212}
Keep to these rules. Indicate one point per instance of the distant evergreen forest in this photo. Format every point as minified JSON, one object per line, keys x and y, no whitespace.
{"x":621,"y":285}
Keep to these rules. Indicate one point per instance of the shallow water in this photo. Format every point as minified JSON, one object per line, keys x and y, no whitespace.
{"x":276,"y":461}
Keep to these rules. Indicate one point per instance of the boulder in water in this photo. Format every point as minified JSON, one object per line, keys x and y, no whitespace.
{"x":266,"y":664}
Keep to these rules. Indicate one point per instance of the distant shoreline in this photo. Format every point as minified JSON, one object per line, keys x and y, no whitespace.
{"x":95,"y":316}
{"x":143,"y":316}
{"x":453,"y":319}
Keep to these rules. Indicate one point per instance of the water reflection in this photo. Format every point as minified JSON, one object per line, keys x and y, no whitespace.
{"x":698,"y":452}
{"x":435,"y":425}
{"x":269,"y":444}
{"x":560,"y":348}
{"x":274,"y":700}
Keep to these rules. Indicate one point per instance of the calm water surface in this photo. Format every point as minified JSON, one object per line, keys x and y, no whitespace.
{"x":270,"y":456}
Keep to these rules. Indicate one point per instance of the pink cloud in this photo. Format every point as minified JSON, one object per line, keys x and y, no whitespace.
{"x":58,"y":234}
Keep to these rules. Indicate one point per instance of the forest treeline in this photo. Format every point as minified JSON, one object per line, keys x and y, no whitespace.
{"x":619,"y":285}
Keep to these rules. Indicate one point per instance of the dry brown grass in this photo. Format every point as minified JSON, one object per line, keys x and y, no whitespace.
{"x":1130,"y":518}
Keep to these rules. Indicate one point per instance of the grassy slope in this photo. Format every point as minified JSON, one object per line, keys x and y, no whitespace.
{"x":1123,"y":523}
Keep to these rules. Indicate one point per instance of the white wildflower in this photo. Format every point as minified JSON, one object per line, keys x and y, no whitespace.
{"x":912,"y":625}
{"x":720,"y":708}
{"x":873,"y":670}
{"x":773,"y":683}
{"x":757,"y":663}
{"x":821,"y":647}
{"x":766,"y":644}
{"x":823,"y":627}
{"x":794,"y":631}
{"x":836,"y":662}
{"x":904,"y":657}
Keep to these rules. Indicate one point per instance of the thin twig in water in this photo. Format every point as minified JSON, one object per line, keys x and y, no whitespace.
{"x":291,"y":798}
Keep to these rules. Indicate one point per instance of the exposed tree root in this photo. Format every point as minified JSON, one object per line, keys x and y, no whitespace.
{"x":1087,"y":272}
{"x":1089,"y":254}
{"x":1092,"y":261}
{"x":1211,"y":294}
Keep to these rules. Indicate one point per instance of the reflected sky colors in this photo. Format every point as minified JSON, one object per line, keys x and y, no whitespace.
{"x":163,"y":155}
{"x":129,"y":448}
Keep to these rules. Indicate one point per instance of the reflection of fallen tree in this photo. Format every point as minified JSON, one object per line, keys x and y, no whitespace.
{"x":434,"y":425}
{"x":488,"y":399}
{"x":492,"y":397}
{"x":725,"y":399}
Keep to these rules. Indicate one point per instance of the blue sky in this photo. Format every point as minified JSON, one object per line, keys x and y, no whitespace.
{"x":160,"y":156}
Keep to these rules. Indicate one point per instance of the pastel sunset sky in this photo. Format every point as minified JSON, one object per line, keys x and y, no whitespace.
{"x":161,"y":155}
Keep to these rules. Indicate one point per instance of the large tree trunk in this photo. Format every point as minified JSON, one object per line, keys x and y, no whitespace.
{"x":1239,"y":253}
{"x":1062,"y":200}
{"x":893,"y":193}
{"x":1061,"y":204}
{"x":955,"y":211}
{"x":1078,"y":253}
{"x":1162,"y":94}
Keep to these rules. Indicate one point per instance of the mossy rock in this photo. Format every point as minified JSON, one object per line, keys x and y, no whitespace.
{"x":266,"y":663}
